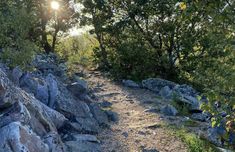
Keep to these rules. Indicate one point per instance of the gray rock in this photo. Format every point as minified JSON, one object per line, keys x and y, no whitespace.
{"x":17,"y":112}
{"x":98,"y":114}
{"x":150,"y":150}
{"x":18,"y":138}
{"x":66,"y":104}
{"x":16,"y":74}
{"x":82,"y":146}
{"x":152,"y":110}
{"x":112,"y":116}
{"x":85,"y":137}
{"x":88,"y":126}
{"x":105,"y":104}
{"x":130,"y":83}
{"x":185,"y":90}
{"x":5,"y":90}
{"x":54,"y":142}
{"x":169,"y":110}
{"x":42,"y":93}
{"x":156,"y":84}
{"x":190,"y":100}
{"x":166,"y":92}
{"x":213,"y":136}
{"x":78,"y":88}
{"x":125,"y":134}
{"x":52,"y":89}
{"x":199,"y":116}
{"x":28,"y":83}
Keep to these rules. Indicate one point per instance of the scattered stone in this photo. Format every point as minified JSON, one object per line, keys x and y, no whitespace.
{"x":78,"y":88}
{"x":199,"y":116}
{"x":156,"y":84}
{"x":130,"y":83}
{"x":169,"y":110}
{"x":152,"y":110}
{"x":125,"y":134}
{"x":98,"y":114}
{"x":112,"y":116}
{"x":82,"y":146}
{"x":150,"y":150}
{"x":105,"y":104}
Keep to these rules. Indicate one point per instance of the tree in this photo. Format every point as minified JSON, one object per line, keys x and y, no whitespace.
{"x":51,"y":22}
{"x":190,"y":41}
{"x":16,"y":21}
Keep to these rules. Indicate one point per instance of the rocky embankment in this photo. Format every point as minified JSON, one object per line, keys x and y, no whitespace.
{"x":183,"y":100}
{"x":44,"y":111}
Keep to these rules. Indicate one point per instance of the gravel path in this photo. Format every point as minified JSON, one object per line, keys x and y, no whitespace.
{"x":138,"y":128}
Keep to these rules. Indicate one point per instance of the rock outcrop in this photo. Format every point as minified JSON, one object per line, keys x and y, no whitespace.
{"x":171,"y":90}
{"x":38,"y":111}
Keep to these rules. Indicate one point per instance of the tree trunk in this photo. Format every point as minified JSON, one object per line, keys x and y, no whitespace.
{"x":54,"y":39}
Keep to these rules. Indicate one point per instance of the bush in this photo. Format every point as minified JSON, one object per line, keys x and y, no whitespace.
{"x":77,"y":51}
{"x":17,"y":48}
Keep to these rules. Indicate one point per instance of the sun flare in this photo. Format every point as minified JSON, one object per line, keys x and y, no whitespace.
{"x":55,"y":5}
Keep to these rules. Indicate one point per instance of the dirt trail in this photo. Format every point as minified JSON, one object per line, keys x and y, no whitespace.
{"x":137,"y":129}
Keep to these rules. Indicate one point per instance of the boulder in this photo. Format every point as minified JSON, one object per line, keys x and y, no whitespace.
{"x":42,"y":93}
{"x":187,"y":95}
{"x":54,"y":142}
{"x":29,"y":83}
{"x":81,"y":125}
{"x":18,"y":138}
{"x":112,"y":116}
{"x":25,"y":122}
{"x":78,"y":88}
{"x":98,"y":114}
{"x":156,"y":84}
{"x":5,"y":90}
{"x":81,"y":116}
{"x":169,"y":110}
{"x":105,"y":104}
{"x":166,"y":92}
{"x":52,"y":89}
{"x":185,"y":90}
{"x":130,"y":83}
{"x":16,"y":74}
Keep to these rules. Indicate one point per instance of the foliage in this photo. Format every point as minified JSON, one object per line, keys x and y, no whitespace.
{"x":194,"y":143}
{"x":153,"y":37}
{"x":77,"y":50}
{"x":189,"y":41}
{"x":17,"y":49}
{"x":181,"y":107}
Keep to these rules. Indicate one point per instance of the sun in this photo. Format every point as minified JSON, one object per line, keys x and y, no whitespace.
{"x":55,"y":5}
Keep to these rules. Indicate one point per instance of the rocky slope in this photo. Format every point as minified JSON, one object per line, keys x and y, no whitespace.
{"x":39,"y":112}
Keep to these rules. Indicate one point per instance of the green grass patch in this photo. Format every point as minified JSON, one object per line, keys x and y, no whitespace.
{"x":193,"y":142}
{"x":183,"y":108}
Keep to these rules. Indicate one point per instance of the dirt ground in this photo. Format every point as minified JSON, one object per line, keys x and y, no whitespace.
{"x":139,"y":127}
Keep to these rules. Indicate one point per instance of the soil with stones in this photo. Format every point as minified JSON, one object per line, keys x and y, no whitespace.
{"x":138,"y":127}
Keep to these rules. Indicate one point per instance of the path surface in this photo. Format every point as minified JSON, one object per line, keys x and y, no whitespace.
{"x":137,"y":129}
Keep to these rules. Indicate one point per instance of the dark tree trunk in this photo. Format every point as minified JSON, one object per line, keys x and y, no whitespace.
{"x":54,"y":39}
